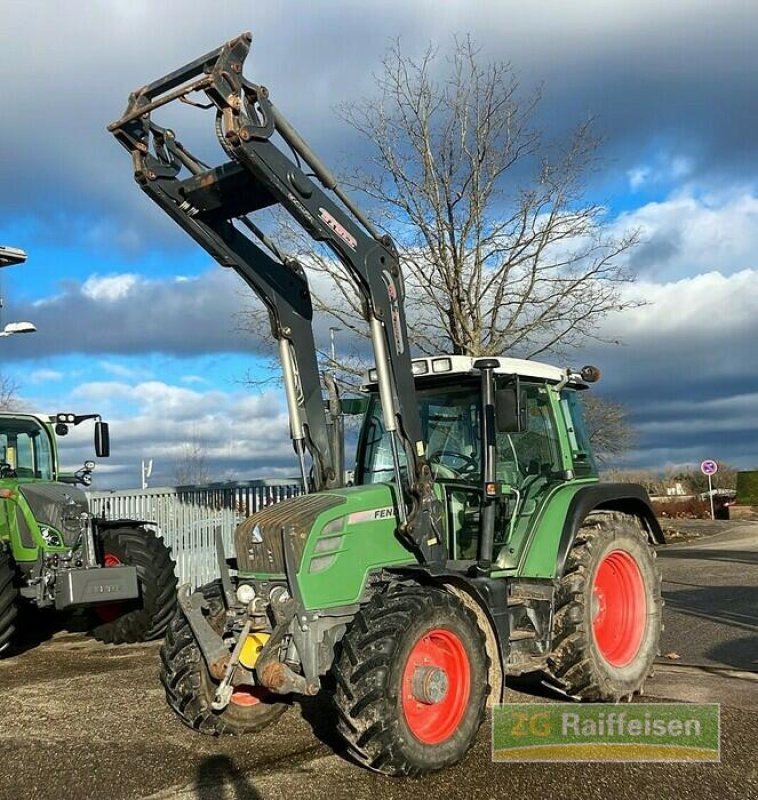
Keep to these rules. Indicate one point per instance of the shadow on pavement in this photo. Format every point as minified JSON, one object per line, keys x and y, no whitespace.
{"x":733,"y":606}
{"x":35,"y":627}
{"x":216,"y":772}
{"x":741,"y":654}
{"x":709,"y":554}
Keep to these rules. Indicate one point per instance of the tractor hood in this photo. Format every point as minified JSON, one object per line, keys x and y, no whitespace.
{"x":334,"y":540}
{"x":258,"y":541}
{"x":57,"y":506}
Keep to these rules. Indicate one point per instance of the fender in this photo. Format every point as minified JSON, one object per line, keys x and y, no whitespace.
{"x":627,"y":497}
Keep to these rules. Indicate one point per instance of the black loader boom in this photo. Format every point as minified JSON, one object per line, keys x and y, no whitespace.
{"x":214,"y":205}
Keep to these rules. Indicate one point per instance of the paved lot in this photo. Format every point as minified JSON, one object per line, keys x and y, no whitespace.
{"x":81,"y":720}
{"x":711,"y":591}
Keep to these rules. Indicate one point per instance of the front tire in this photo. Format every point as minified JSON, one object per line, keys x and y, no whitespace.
{"x":146,"y":617}
{"x":411,"y":681}
{"x":8,"y":600}
{"x":607,"y":625}
{"x":190,"y":689}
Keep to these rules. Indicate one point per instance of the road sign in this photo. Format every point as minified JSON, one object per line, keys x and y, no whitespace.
{"x":709,"y":467}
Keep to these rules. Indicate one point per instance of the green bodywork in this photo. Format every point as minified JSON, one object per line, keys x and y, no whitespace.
{"x":13,"y":505}
{"x":357,"y":537}
{"x":42,"y":464}
{"x":347,"y":544}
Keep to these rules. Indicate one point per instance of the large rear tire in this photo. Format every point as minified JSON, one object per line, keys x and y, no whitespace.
{"x":8,"y":600}
{"x":148,"y":616}
{"x":411,"y":681}
{"x":607,"y":624}
{"x":190,"y":688}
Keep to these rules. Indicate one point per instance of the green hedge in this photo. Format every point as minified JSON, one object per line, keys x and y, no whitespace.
{"x":747,"y":488}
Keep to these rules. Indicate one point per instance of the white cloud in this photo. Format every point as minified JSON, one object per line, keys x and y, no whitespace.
{"x":109,"y":288}
{"x":44,"y":375}
{"x":123,"y":371}
{"x":638,"y":177}
{"x":241,"y":435}
{"x":695,"y":232}
{"x":665,"y":169}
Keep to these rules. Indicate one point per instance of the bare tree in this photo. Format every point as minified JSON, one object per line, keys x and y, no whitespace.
{"x":501,"y":250}
{"x":8,"y":393}
{"x":191,"y":468}
{"x":608,"y":426}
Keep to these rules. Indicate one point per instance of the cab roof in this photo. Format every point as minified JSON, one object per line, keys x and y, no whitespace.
{"x":447,"y":366}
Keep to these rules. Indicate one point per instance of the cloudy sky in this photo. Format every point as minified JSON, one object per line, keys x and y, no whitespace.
{"x":138,"y":323}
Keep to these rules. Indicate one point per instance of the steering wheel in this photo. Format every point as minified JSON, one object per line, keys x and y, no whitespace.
{"x":467,"y":469}
{"x":6,"y":470}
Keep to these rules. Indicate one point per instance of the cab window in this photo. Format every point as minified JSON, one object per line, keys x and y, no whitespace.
{"x":579,"y":440}
{"x":25,"y":447}
{"x":450,"y":425}
{"x":535,"y":451}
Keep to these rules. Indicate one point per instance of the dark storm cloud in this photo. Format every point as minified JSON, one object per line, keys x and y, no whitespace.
{"x":655,"y":251}
{"x":687,"y":373}
{"x":127,"y":314}
{"x":678,"y":76}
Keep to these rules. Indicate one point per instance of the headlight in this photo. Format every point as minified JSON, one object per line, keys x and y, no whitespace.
{"x":245,"y":594}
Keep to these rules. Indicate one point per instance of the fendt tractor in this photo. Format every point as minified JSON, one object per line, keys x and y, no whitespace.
{"x":477,"y":541}
{"x":55,"y":554}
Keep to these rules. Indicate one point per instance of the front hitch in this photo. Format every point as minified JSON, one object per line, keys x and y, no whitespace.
{"x":212,"y":646}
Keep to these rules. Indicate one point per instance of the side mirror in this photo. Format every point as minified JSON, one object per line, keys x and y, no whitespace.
{"x":510,"y":410}
{"x":102,"y":440}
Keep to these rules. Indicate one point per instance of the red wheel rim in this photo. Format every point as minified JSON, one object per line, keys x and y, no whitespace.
{"x":619,"y":608}
{"x":248,"y":696}
{"x":108,"y":612}
{"x":434,"y":722}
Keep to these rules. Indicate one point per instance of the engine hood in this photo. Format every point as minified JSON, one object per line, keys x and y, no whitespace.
{"x":58,"y":506}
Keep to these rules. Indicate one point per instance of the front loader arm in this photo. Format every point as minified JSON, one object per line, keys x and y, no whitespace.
{"x":260,"y":175}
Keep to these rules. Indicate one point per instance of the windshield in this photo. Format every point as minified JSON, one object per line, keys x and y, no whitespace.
{"x":25,"y":448}
{"x":581,"y":450}
{"x":450,"y":425}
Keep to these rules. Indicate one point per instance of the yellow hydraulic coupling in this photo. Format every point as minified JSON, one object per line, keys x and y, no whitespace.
{"x":251,"y":649}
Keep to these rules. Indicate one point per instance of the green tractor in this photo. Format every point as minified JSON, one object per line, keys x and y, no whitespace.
{"x":54,"y":554}
{"x":477,"y":542}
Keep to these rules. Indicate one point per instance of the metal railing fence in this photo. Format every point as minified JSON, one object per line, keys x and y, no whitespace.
{"x":187,"y":517}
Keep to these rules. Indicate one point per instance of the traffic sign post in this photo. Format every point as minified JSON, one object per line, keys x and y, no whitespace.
{"x":710,"y":468}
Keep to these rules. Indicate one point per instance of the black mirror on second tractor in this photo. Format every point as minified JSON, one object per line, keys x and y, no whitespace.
{"x":510,"y":409}
{"x":102,"y":440}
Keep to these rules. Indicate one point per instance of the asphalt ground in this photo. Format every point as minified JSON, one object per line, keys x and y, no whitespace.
{"x":83,"y":720}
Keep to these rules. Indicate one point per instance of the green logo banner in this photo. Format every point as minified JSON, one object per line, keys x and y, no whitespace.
{"x":606,"y":732}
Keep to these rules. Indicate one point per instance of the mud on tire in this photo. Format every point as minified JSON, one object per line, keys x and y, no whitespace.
{"x":392,"y":640}
{"x":147,"y":617}
{"x":607,"y":623}
{"x":8,"y":600}
{"x":190,"y":688}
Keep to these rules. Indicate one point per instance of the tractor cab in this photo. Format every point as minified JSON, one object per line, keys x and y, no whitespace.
{"x":27,"y":448}
{"x":539,"y":442}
